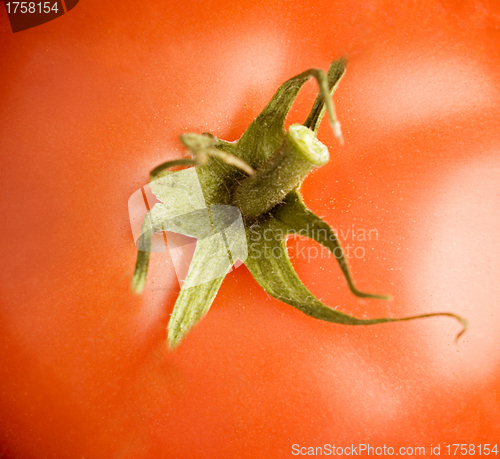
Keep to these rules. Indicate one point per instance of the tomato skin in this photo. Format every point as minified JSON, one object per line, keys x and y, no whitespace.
{"x":98,"y":97}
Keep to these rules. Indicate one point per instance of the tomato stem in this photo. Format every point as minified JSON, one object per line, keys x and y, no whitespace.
{"x":300,"y":153}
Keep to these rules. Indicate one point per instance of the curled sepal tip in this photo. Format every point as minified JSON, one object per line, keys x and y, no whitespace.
{"x":270,"y":265}
{"x":202,"y":146}
{"x":266,"y":133}
{"x":295,"y":218}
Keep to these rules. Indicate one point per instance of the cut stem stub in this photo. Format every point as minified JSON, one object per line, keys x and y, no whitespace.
{"x":300,"y":153}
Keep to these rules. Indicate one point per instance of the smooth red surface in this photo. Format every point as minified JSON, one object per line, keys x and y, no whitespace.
{"x":92,"y":101}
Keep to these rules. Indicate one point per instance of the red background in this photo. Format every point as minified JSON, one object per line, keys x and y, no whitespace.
{"x":92,"y":101}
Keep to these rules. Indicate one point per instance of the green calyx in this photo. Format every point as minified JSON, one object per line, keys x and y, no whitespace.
{"x":260,"y":176}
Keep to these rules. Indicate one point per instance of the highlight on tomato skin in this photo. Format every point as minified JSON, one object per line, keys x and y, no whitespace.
{"x":94,"y":99}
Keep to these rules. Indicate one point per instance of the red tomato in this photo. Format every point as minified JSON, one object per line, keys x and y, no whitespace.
{"x":95,"y":99}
